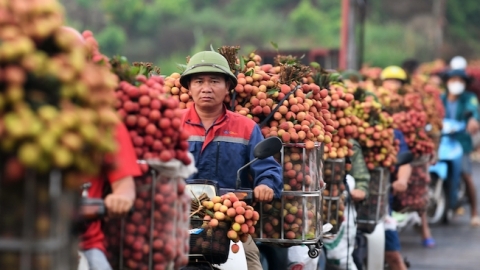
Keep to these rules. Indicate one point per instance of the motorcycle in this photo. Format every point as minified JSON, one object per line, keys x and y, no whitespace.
{"x":279,"y":258}
{"x":91,"y":209}
{"x":446,"y":189}
{"x":370,"y":244}
{"x":196,"y":187}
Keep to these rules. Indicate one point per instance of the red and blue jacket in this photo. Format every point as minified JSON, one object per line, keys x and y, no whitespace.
{"x":227,"y":146}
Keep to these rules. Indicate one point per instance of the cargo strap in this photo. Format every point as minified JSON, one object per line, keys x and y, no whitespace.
{"x":265,"y":121}
{"x":232,"y":101}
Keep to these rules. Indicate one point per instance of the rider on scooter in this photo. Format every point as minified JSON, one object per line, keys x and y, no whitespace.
{"x":120,"y":201}
{"x":223,"y":141}
{"x":457,"y":103}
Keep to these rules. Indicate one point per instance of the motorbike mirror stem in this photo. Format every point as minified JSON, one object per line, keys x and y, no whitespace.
{"x":468,"y":115}
{"x":239,"y":170}
{"x":264,"y":149}
{"x":85,"y":187}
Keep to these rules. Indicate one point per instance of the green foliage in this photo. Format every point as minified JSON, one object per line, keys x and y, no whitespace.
{"x":384,"y":47}
{"x":463,"y":18}
{"x":305,"y":16}
{"x":169,"y":30}
{"x":123,"y":14}
{"x":112,"y":39}
{"x":173,"y":7}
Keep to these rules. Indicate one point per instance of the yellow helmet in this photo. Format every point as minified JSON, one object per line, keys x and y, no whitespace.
{"x":393,"y":72}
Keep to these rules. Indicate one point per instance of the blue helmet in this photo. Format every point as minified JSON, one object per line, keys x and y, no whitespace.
{"x":457,"y":73}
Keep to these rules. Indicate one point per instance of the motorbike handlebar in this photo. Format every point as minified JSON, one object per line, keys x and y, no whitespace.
{"x":92,"y":209}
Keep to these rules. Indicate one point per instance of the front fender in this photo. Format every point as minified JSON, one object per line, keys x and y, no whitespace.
{"x":440,"y":169}
{"x":449,"y":149}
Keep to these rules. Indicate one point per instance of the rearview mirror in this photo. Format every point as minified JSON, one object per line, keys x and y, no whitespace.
{"x":404,"y":158}
{"x":267,"y":148}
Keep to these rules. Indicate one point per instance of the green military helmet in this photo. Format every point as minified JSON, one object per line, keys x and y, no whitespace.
{"x":207,"y":61}
{"x":352,"y":75}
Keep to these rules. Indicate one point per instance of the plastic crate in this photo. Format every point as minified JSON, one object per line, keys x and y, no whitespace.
{"x":374,"y":209}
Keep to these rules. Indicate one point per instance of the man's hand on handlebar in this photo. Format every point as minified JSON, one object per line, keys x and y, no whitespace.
{"x":473,"y":126}
{"x":263,"y":193}
{"x":357,"y":195}
{"x":399,"y":186}
{"x":118,"y":205}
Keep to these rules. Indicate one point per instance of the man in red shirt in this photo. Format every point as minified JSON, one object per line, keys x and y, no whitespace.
{"x":117,"y":203}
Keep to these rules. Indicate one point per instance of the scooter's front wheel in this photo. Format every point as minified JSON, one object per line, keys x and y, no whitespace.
{"x":437,"y":200}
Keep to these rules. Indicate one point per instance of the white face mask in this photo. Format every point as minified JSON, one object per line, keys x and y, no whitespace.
{"x":456,"y":88}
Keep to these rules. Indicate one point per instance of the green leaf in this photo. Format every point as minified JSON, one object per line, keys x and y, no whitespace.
{"x":291,"y":119}
{"x":273,"y":91}
{"x":182,"y":67}
{"x":315,"y":65}
{"x":242,"y":63}
{"x":211,"y":48}
{"x":249,"y":72}
{"x":334,"y":132}
{"x":135,"y":70}
{"x":208,"y":212}
{"x":275,"y":45}
{"x":309,"y":94}
{"x":334,"y":76}
{"x":123,"y":60}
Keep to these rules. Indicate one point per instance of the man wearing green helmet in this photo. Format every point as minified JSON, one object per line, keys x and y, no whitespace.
{"x":222,"y":141}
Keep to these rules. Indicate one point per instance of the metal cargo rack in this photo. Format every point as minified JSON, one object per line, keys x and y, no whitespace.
{"x":36,"y":228}
{"x":295,"y":218}
{"x":333,"y":198}
{"x":374,"y":209}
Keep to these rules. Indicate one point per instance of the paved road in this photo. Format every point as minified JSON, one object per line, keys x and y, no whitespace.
{"x":457,"y":248}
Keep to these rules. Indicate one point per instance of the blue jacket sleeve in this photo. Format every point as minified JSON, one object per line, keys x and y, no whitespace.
{"x":403,"y":144}
{"x":267,"y":171}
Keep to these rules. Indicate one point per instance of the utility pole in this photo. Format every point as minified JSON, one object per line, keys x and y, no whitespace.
{"x":348,"y":49}
{"x":362,"y":10}
{"x":352,"y":37}
{"x":438,"y":11}
{"x":344,"y":35}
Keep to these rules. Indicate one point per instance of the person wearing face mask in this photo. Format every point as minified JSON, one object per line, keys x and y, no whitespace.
{"x":459,"y":103}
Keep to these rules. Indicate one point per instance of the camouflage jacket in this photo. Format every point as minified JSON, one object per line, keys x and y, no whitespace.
{"x":359,"y":169}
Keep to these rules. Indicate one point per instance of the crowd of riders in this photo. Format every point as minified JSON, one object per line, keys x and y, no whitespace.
{"x":209,"y":79}
{"x":459,"y":96}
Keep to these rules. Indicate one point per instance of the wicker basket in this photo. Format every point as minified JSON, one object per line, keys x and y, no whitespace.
{"x":212,"y":243}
